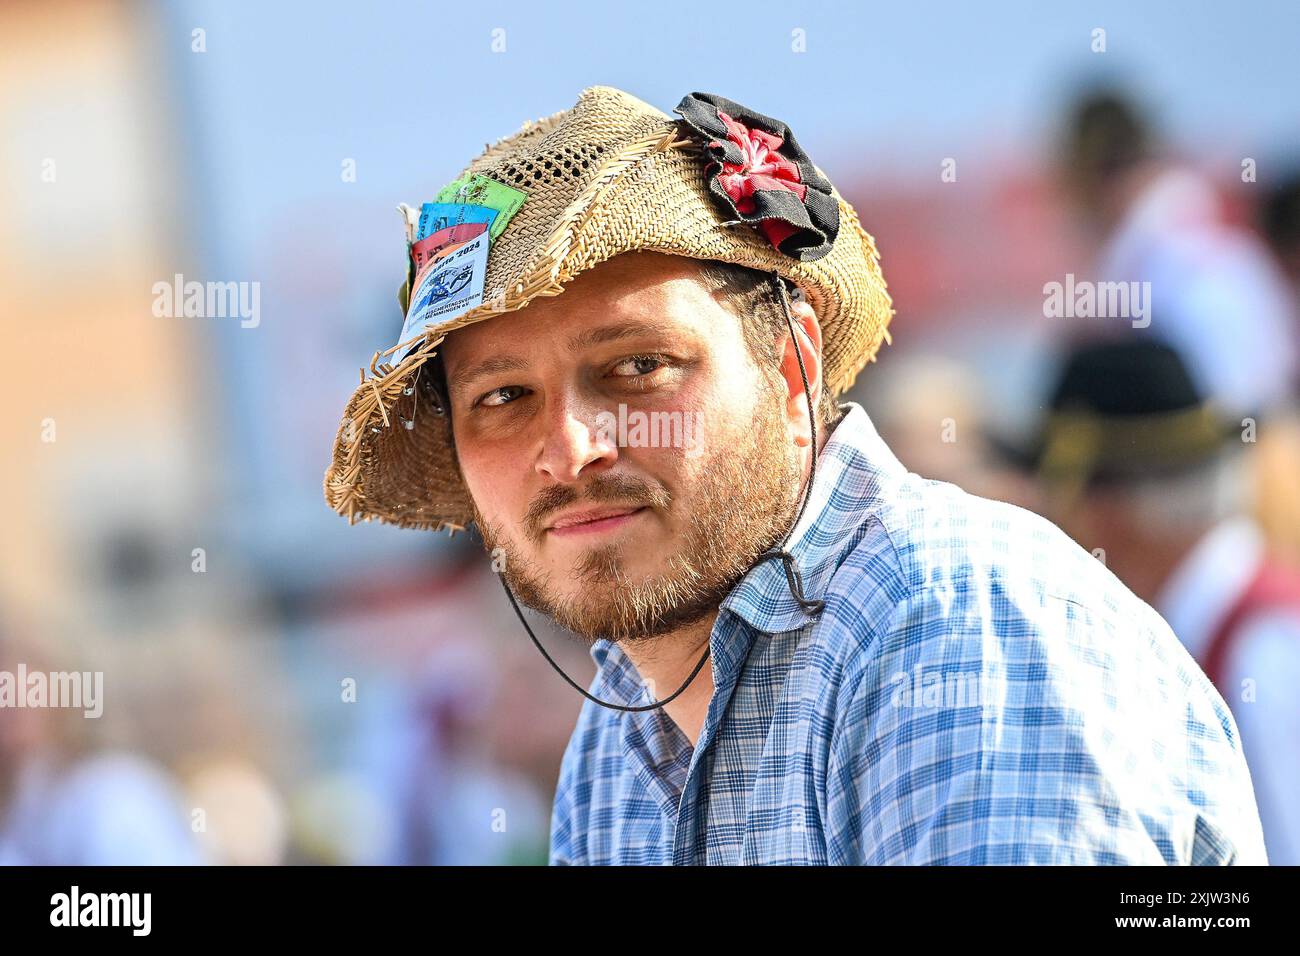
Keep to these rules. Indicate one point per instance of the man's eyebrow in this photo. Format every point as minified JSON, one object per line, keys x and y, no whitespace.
{"x":585,"y":339}
{"x":489,"y":366}
{"x":617,"y":333}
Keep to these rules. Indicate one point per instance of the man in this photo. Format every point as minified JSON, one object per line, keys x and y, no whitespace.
{"x":1223,"y":302}
{"x":897,"y":672}
{"x":1136,"y":465}
{"x":1278,"y":455}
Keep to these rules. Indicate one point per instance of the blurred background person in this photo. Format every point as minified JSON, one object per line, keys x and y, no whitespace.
{"x":1219,"y":296}
{"x":1223,"y":297}
{"x":1279,"y":220}
{"x":1137,"y":466}
{"x":458,"y":803}
{"x":1278,"y":458}
{"x":65,"y":800}
{"x":937,"y":416}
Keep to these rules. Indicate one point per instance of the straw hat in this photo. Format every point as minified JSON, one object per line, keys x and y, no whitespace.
{"x":612,"y":175}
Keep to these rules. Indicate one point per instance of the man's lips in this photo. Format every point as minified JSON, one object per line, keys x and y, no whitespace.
{"x":593,"y":520}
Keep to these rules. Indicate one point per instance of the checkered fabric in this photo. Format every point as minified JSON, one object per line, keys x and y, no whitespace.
{"x":978,"y":690}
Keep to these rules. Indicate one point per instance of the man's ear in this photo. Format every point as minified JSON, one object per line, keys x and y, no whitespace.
{"x":808,"y":333}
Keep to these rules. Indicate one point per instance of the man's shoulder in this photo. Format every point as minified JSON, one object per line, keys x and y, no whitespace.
{"x":928,"y":554}
{"x":976,"y":638}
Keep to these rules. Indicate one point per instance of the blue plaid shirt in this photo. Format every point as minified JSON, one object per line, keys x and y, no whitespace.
{"x":978,"y":690}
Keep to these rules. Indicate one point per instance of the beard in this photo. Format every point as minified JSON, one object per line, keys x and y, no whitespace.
{"x":742,"y":502}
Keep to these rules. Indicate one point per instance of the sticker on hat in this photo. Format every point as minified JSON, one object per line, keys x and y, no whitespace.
{"x":444,"y":241}
{"x":448,"y":286}
{"x":482,"y":191}
{"x":436,"y":216}
{"x":449,"y":228}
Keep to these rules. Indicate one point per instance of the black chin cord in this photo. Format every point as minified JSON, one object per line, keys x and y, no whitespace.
{"x":793,"y":578}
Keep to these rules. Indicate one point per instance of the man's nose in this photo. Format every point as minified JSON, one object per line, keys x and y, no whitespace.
{"x":574,"y":443}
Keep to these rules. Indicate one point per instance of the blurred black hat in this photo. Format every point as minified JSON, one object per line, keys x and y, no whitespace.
{"x":1122,"y":409}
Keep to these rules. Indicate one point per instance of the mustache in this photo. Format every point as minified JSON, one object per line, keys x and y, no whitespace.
{"x":625,"y":489}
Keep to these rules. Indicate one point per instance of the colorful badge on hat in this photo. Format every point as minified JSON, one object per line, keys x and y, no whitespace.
{"x":446,"y":287}
{"x":440,"y":243}
{"x":447,"y":250}
{"x":436,"y":216}
{"x":482,"y":191}
{"x":760,"y":176}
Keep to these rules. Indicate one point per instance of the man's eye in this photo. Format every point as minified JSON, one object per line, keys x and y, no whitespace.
{"x":502,"y":396}
{"x":638,"y":365}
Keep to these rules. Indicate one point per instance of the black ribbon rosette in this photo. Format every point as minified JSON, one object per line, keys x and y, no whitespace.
{"x":762,"y":177}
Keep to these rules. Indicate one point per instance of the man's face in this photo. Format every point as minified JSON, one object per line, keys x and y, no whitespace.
{"x":614,"y":518}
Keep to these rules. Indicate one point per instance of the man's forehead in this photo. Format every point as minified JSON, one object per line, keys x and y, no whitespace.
{"x":626,"y":300}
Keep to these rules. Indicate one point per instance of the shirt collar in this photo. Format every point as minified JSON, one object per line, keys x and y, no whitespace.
{"x":850,"y":470}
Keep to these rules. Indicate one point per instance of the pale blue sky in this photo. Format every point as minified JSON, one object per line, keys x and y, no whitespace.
{"x":411,"y":91}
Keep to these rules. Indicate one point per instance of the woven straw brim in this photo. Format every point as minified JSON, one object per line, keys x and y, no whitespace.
{"x":611,"y":175}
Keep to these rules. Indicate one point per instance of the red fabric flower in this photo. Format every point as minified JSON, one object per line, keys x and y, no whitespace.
{"x":761,"y":173}
{"x":763,"y":168}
